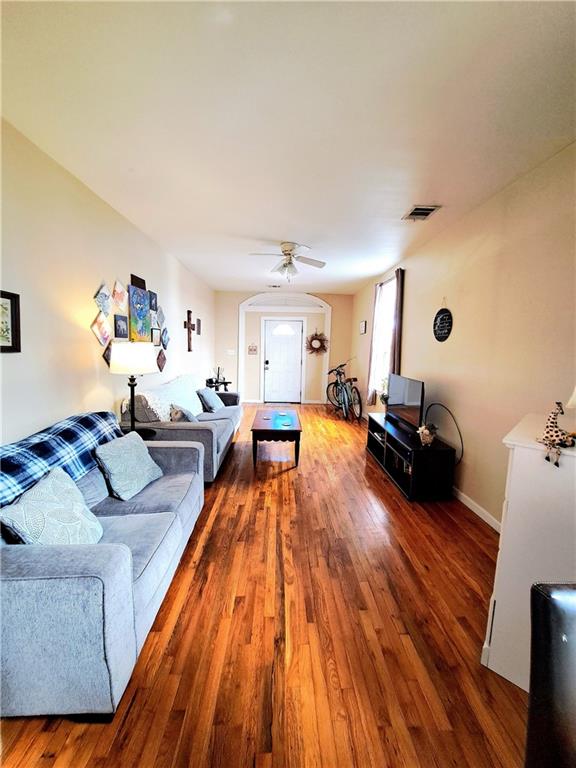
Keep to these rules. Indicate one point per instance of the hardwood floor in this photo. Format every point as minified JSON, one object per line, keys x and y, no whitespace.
{"x":316,"y":619}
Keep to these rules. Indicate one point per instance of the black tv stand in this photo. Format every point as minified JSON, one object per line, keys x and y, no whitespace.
{"x":420,"y":473}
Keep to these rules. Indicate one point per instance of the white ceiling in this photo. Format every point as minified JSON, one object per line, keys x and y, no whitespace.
{"x":220,"y":128}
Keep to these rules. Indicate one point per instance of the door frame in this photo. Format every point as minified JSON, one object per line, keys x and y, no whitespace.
{"x":282,"y":319}
{"x":278,"y":302}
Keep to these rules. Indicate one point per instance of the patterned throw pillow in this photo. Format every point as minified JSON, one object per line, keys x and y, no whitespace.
{"x":178,"y":413}
{"x":127,"y":465}
{"x":52,"y":512}
{"x":210,"y":399}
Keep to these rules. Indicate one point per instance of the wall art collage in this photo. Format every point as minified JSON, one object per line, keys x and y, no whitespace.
{"x":130,"y":313}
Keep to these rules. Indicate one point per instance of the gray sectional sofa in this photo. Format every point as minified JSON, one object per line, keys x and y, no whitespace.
{"x":215,"y":430}
{"x":75,"y":616}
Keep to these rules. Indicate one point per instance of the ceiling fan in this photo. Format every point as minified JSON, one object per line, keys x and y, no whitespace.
{"x":290,"y":254}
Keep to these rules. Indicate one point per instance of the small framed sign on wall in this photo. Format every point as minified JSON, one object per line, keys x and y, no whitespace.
{"x":443,"y":322}
{"x":363,"y":327}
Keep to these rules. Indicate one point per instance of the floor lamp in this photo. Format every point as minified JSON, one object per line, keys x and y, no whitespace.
{"x":133,"y":358}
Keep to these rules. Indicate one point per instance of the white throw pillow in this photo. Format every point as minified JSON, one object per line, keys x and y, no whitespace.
{"x":52,"y":512}
{"x":180,"y":392}
{"x":127,"y":465}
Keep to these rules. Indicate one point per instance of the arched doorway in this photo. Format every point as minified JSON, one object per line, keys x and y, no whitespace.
{"x":315,"y":313}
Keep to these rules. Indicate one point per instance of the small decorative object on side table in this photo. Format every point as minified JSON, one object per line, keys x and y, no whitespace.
{"x":214,"y":384}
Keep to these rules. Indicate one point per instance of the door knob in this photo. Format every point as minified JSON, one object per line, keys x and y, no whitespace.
{"x":266,"y":364}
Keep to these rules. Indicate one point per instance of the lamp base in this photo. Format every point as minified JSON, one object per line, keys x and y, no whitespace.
{"x":132,"y":385}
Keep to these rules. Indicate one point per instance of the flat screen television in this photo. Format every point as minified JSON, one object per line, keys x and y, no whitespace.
{"x":405,"y":404}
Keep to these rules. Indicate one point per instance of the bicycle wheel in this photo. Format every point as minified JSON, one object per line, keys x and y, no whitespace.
{"x":345,"y":404}
{"x":356,"y":402}
{"x":333,"y":393}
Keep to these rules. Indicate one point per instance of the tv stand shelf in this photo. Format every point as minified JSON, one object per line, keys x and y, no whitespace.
{"x":420,"y":473}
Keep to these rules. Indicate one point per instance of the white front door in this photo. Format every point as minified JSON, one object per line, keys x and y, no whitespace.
{"x":282,"y":361}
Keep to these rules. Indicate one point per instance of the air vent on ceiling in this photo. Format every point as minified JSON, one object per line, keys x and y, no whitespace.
{"x":421,"y":212}
{"x":273,"y":286}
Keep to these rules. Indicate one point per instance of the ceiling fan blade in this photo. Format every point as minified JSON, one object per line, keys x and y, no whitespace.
{"x":280,"y":266}
{"x":260,"y":253}
{"x":310,"y":262}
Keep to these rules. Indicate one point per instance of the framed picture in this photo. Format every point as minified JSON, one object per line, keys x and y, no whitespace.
{"x":121,"y":326}
{"x":154,"y":319}
{"x":9,"y":322}
{"x":103,"y":299}
{"x":101,"y":329}
{"x":198,"y":326}
{"x":363,"y":326}
{"x":160,"y":317}
{"x":153,"y":301}
{"x":252,"y":349}
{"x":156,"y":337}
{"x":120,"y":297}
{"x":161,"y":360}
{"x":139,"y":302}
{"x":138,"y":282}
{"x":107,"y":354}
{"x":165,"y":337}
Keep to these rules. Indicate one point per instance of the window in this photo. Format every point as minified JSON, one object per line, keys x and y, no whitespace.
{"x":386,"y":333}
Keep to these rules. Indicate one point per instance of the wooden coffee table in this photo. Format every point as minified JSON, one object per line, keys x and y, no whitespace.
{"x":277,"y":426}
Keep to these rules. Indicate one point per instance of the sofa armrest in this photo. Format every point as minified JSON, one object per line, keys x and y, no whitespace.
{"x":229,"y":398}
{"x":68,"y":634}
{"x":174,"y":456}
{"x":204,"y":432}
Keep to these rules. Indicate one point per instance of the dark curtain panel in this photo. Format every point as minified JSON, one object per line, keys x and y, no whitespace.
{"x":396,"y":350}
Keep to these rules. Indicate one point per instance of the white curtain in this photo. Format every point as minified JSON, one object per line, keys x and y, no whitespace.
{"x":382,"y":332}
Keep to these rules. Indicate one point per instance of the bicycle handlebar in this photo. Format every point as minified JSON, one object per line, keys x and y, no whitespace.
{"x":340,"y":366}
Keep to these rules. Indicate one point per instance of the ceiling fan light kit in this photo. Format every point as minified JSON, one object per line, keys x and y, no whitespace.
{"x":289,"y":251}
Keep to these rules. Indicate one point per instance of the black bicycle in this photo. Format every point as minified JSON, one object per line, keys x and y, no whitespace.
{"x":343,"y":394}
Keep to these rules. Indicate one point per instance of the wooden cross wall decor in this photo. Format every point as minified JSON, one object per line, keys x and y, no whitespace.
{"x":190,"y":327}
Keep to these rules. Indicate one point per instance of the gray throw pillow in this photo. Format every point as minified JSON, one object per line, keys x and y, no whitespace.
{"x":127,"y":465}
{"x":52,"y":512}
{"x":210,"y":399}
{"x":178,"y":413}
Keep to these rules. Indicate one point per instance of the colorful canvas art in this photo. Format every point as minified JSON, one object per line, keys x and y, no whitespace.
{"x":160,"y":317}
{"x":161,"y":360}
{"x":120,"y":297}
{"x":154,"y":319}
{"x":101,"y":329}
{"x":156,"y":337}
{"x":103,"y":299}
{"x":165,"y":338}
{"x":153,"y":301}
{"x":139,"y":314}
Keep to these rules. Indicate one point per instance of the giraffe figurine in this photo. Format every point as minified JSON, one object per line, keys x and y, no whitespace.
{"x":555,"y":438}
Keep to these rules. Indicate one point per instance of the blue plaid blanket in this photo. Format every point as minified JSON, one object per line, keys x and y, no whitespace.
{"x":68,"y":444}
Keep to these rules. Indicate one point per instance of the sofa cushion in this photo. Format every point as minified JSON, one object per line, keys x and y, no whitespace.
{"x":127,"y":465}
{"x":181,"y":392}
{"x":210,"y":399}
{"x":179,"y":413}
{"x":52,"y":512}
{"x":93,"y":487}
{"x":153,"y":541}
{"x":231,"y":412}
{"x":224,"y":432}
{"x":170,"y":493}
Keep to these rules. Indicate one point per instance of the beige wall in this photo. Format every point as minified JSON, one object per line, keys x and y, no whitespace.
{"x":59,"y":242}
{"x":227,"y":305}
{"x":507,"y":271}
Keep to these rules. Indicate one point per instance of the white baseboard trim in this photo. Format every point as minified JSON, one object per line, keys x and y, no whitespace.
{"x":477,"y":509}
{"x":252,"y":401}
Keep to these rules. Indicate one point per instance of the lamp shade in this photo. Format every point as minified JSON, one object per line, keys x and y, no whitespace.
{"x":132,"y":358}
{"x":572,"y":402}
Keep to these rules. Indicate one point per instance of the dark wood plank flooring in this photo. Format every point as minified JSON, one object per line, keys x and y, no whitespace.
{"x":316,"y":619}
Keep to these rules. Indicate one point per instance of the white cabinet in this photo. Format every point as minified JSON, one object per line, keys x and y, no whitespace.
{"x":537,"y":544}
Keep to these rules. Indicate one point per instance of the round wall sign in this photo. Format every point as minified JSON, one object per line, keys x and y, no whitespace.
{"x":442,"y":324}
